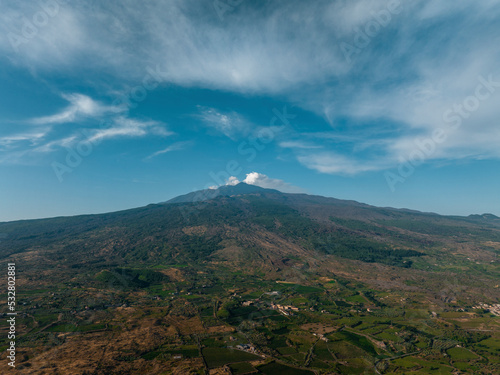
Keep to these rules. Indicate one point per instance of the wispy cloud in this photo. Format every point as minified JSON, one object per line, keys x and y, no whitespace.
{"x":259,"y":179}
{"x":55,"y":144}
{"x":234,"y":57}
{"x":31,"y":138}
{"x":231,"y":124}
{"x":80,"y":106}
{"x":127,"y":127}
{"x":42,"y":135}
{"x":173,"y":147}
{"x":333,"y":163}
{"x":299,"y":145}
{"x":426,"y":60}
{"x":27,"y":146}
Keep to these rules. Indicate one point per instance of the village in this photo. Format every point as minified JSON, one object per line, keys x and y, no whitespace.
{"x":494,"y":309}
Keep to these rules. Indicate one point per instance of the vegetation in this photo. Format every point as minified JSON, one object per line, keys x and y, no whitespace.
{"x":263,"y":283}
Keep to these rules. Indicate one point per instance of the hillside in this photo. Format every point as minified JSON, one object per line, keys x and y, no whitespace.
{"x":183,"y":269}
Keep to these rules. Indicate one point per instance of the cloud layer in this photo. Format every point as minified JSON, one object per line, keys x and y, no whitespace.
{"x":259,"y":179}
{"x":409,"y":64}
{"x":51,"y":133}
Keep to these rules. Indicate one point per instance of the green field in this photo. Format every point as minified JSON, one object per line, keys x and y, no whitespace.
{"x":460,"y":354}
{"x":275,"y":368}
{"x":242,"y":368}
{"x":216,"y":357}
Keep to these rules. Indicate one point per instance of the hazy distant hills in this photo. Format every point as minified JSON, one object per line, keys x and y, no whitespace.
{"x":485,"y":218}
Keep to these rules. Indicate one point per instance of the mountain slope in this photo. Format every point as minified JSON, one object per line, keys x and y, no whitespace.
{"x":260,"y":227}
{"x":195,"y":276}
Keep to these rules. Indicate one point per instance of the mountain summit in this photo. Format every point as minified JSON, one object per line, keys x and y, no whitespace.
{"x":226,"y":190}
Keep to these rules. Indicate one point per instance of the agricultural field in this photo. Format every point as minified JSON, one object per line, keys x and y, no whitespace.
{"x":244,"y":330}
{"x":254,"y":286}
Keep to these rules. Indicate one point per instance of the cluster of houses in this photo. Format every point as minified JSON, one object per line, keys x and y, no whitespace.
{"x":284,"y":309}
{"x":247,"y":348}
{"x":321,"y":336}
{"x":494,"y":309}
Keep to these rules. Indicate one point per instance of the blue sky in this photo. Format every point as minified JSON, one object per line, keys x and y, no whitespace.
{"x":107,"y":106}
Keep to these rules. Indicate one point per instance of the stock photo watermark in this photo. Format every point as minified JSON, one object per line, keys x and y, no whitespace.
{"x":123,"y":102}
{"x":84,"y":312}
{"x":249,"y":148}
{"x":76,"y":153}
{"x":363,"y":35}
{"x":137,"y":94}
{"x":11,"y":321}
{"x":31,"y":25}
{"x":252,"y":145}
{"x":224,"y":6}
{"x":453,"y":117}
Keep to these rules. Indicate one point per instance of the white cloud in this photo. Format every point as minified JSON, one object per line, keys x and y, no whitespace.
{"x":230,"y":124}
{"x":263,"y":181}
{"x":259,"y":179}
{"x":332,"y":163}
{"x":32,"y":137}
{"x":55,"y":144}
{"x":423,"y":62}
{"x":298,"y":145}
{"x":173,"y":147}
{"x":232,"y":181}
{"x":80,"y":106}
{"x":347,"y":15}
{"x":26,"y":147}
{"x":127,"y":127}
{"x":57,"y":42}
{"x":184,"y":37}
